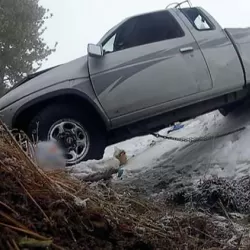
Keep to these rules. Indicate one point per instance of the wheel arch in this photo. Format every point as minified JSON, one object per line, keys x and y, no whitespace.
{"x":70,"y":96}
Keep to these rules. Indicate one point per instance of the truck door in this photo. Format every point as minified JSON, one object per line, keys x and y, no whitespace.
{"x":150,"y":62}
{"x":218,"y":50}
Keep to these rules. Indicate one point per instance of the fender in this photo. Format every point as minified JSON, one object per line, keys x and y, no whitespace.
{"x":58,"y":93}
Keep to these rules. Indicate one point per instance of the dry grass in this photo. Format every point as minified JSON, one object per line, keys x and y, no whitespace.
{"x":234,"y":195}
{"x":55,"y":211}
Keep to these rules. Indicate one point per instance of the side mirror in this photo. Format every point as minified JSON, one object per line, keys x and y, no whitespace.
{"x":95,"y":50}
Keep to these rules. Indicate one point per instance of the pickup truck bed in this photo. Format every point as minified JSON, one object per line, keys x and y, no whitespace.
{"x":240,"y":37}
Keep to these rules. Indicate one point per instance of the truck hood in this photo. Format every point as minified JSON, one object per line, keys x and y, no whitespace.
{"x":75,"y":69}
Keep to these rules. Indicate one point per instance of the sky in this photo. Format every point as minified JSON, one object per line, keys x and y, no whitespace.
{"x":78,"y":22}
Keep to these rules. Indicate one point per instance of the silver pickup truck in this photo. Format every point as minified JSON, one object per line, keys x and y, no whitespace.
{"x":146,"y":73}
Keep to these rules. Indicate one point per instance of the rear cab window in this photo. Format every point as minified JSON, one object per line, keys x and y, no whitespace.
{"x":198,"y":19}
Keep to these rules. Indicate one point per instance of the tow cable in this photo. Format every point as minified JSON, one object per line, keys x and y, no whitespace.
{"x":197,"y":139}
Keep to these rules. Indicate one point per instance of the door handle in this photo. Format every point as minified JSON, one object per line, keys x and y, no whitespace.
{"x":187,"y":49}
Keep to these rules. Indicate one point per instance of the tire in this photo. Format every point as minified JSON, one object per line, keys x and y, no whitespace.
{"x":224,"y":111}
{"x":53,"y":119}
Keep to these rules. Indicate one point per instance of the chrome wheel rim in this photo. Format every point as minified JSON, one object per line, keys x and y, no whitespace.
{"x":72,"y":137}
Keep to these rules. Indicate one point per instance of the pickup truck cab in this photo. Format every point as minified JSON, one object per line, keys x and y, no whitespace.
{"x":146,"y":73}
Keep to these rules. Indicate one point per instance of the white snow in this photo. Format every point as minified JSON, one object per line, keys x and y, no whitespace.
{"x":90,"y":167}
{"x":228,"y":156}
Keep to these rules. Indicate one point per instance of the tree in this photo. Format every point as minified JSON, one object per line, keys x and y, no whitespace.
{"x":22,"y":48}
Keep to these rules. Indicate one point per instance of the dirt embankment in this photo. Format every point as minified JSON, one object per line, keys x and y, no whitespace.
{"x":45,"y":210}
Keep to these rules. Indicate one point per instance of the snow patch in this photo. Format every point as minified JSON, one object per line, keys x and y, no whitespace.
{"x":153,"y":159}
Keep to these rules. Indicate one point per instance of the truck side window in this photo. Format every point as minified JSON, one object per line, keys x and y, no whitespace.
{"x":144,"y":29}
{"x":118,"y":39}
{"x":109,"y":45}
{"x":198,"y":19}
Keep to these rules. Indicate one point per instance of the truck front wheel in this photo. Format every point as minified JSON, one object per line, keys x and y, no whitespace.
{"x":80,"y":137}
